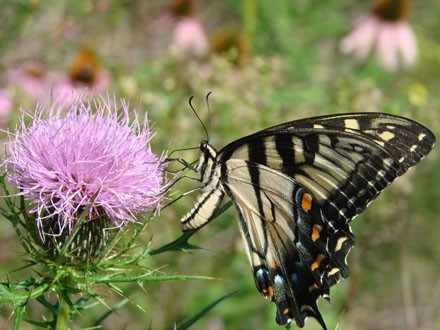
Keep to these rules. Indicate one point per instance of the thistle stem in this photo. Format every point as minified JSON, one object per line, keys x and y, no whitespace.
{"x":63,"y":314}
{"x":18,"y":316}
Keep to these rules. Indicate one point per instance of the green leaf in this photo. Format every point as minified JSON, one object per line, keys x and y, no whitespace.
{"x":109,"y":312}
{"x":199,"y":315}
{"x":20,"y":293}
{"x":181,"y":243}
{"x":149,"y":278}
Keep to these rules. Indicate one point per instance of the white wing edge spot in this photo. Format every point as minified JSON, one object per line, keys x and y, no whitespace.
{"x":386,"y":135}
{"x":333,"y":271}
{"x":351,"y":124}
{"x":339,"y":243}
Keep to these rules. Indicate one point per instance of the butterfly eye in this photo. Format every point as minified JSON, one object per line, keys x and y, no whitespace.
{"x":203,"y":146}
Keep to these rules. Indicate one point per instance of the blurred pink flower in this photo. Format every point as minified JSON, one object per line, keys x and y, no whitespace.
{"x":63,"y":88}
{"x":189,"y":38}
{"x":44,"y":86}
{"x":393,"y":41}
{"x":6,"y":105}
{"x":87,"y":72}
{"x":86,"y":75}
{"x":31,"y":78}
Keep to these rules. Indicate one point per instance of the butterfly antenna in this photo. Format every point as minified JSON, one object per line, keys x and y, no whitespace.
{"x":182,"y":149}
{"x":209,"y":113}
{"x":201,"y":122}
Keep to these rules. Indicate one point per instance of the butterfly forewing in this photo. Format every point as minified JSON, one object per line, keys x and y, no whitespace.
{"x":296,"y":186}
{"x":406,"y":140}
{"x":343,"y":171}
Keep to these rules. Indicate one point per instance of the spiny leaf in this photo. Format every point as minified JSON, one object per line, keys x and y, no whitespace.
{"x":181,"y":243}
{"x":187,"y":324}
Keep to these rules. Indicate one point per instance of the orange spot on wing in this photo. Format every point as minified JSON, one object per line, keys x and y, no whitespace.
{"x":306,"y":202}
{"x":287,"y":310}
{"x":315,"y":232}
{"x":313,"y":287}
{"x":268,"y":293}
{"x":317,"y":262}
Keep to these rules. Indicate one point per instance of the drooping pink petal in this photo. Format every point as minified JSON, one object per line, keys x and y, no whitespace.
{"x":407,"y":44}
{"x":34,"y":85}
{"x":360,"y":41}
{"x":387,"y":47}
{"x":393,"y":41}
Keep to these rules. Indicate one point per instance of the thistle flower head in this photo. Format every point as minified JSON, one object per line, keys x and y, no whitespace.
{"x":84,"y":157}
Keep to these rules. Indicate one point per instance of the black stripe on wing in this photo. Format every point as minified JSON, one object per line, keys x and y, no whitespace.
{"x":204,"y":207}
{"x":406,"y":140}
{"x":343,"y":171}
{"x":344,"y":160}
{"x":296,"y":256}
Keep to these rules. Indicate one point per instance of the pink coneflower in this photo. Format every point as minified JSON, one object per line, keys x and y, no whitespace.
{"x":31,"y":78}
{"x":87,"y":71}
{"x":189,"y":39}
{"x":385,"y":31}
{"x":84,"y":156}
{"x":85,"y":75}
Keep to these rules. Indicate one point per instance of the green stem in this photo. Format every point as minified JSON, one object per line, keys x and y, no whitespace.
{"x":8,"y":294}
{"x":63,"y":314}
{"x":19,"y":311}
{"x":250,"y":8}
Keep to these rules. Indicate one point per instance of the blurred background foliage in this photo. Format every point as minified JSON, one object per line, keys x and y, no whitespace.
{"x":290,"y":68}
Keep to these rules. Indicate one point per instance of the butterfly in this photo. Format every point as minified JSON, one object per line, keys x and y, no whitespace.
{"x":296,"y":187}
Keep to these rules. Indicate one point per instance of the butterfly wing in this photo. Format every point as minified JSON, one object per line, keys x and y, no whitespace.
{"x":294,"y":254}
{"x":406,"y":140}
{"x":296,"y":186}
{"x":344,"y":160}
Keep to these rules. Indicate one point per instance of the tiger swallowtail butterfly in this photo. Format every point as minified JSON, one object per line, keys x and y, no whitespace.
{"x":296,"y":187}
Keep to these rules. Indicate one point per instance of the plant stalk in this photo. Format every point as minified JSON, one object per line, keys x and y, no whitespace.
{"x":63,"y":314}
{"x":19,"y":311}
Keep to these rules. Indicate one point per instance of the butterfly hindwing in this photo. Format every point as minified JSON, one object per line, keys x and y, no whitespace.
{"x":288,"y":242}
{"x":296,"y":187}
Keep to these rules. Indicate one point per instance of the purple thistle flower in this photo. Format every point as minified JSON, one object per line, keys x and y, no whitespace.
{"x":84,"y":155}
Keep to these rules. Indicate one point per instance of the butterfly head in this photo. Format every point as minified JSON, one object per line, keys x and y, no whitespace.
{"x":207,"y":161}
